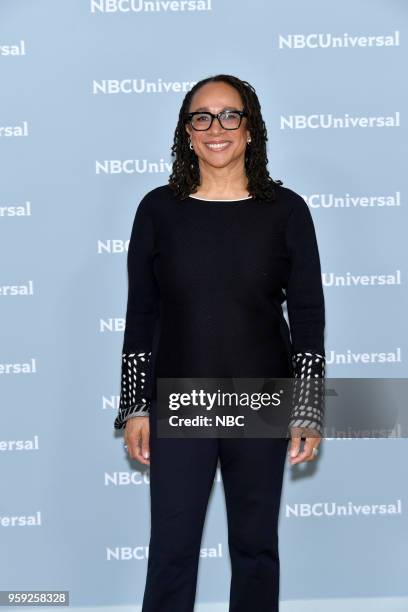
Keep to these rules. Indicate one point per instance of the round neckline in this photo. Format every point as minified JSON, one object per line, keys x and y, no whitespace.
{"x":193,"y":197}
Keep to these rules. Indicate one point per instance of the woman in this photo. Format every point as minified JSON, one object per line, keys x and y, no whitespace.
{"x":212,"y":256}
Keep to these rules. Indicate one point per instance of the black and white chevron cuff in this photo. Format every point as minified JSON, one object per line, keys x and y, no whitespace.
{"x":132,"y":401}
{"x":308,"y":391}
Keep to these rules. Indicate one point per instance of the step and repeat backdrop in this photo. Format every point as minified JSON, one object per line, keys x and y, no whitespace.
{"x":90,"y":96}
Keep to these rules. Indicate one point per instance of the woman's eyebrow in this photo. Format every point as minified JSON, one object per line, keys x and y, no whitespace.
{"x":205,"y":108}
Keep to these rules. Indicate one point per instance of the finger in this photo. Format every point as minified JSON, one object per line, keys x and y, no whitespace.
{"x":134,"y":443}
{"x":139,"y":454}
{"x":145,"y":447}
{"x":294,"y":446}
{"x":307,"y":453}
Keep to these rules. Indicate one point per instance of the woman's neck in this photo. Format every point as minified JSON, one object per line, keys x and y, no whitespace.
{"x":222,"y":185}
{"x":222,"y":195}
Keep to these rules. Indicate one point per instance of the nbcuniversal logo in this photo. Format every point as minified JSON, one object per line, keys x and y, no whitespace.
{"x":149,"y":6}
{"x":334,"y":509}
{"x":326,"y":40}
{"x":330,"y":121}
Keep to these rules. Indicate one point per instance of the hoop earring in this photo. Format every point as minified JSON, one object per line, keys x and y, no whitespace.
{"x":190,"y":144}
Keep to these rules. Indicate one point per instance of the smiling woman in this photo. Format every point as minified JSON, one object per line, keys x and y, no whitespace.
{"x":212,"y":256}
{"x":215,"y":116}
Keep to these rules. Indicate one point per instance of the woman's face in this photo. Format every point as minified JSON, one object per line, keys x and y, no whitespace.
{"x":216,"y":97}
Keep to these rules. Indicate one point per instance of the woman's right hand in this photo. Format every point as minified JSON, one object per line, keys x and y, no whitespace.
{"x":137,"y":434}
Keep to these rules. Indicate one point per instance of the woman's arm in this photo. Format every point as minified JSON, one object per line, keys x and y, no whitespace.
{"x":306,"y":313}
{"x":141,"y":315}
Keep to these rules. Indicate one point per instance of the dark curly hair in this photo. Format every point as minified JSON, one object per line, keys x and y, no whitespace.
{"x":185,"y":176}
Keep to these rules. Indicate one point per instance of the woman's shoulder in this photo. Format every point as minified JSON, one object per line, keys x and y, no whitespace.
{"x":161,"y":192}
{"x":291,"y":198}
{"x":296,"y":207}
{"x":153,"y":201}
{"x":156,"y":197}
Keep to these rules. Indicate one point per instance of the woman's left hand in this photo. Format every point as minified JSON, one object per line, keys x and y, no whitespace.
{"x":312,"y":441}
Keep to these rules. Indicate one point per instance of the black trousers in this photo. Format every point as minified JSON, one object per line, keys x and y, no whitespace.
{"x":182,"y":472}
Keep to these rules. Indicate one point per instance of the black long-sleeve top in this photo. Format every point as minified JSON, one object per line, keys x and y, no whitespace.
{"x":209,"y":277}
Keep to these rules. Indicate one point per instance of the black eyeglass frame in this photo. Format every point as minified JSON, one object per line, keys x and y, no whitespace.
{"x":241,"y":114}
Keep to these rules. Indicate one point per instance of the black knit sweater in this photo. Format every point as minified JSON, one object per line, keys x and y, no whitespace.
{"x":208,"y":278}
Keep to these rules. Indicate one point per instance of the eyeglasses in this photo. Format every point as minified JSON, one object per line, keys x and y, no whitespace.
{"x":229,"y":119}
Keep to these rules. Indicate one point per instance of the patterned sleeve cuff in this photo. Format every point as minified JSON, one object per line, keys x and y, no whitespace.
{"x":308,"y":393}
{"x":132,"y":401}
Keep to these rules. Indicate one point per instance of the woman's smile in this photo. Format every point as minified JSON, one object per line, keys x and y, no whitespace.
{"x":217,"y":146}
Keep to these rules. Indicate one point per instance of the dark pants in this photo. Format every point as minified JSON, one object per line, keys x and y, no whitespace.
{"x":182,"y":472}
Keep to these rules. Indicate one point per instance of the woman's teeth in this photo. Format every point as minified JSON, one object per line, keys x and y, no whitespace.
{"x":217,"y":147}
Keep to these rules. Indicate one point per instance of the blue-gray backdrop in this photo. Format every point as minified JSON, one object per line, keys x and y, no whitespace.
{"x":90,"y":95}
